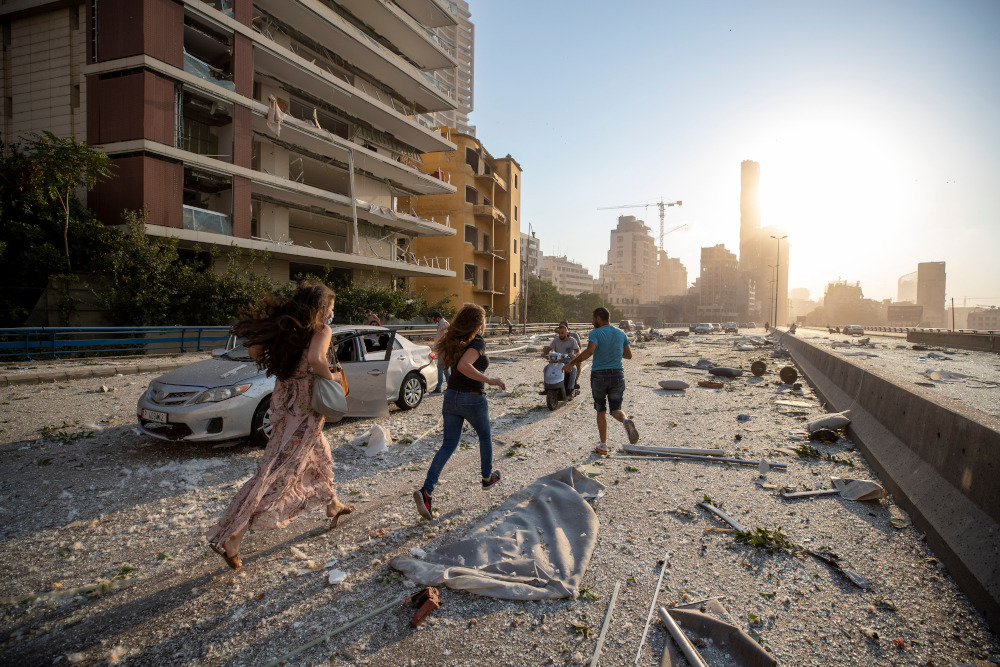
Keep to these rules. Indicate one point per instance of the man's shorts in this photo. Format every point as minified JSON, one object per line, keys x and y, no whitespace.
{"x":607,"y":386}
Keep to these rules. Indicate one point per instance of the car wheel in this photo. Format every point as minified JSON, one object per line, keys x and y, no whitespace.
{"x":260,"y":425}
{"x":411,"y":392}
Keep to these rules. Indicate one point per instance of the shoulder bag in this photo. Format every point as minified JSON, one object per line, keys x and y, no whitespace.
{"x":329,"y":397}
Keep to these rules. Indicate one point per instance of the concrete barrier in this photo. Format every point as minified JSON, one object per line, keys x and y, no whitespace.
{"x":965,"y":341}
{"x":939,"y":459}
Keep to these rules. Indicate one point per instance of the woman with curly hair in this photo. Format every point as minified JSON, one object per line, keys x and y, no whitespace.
{"x":463,"y":351}
{"x":290,"y":337}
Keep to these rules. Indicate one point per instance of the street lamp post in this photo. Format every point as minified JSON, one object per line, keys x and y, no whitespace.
{"x":777,"y":274}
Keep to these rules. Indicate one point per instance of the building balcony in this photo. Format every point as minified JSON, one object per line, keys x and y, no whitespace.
{"x":489,"y":211}
{"x":323,"y":25}
{"x":420,"y":45}
{"x":492,"y":177}
{"x":431,"y":13}
{"x":490,"y":252}
{"x":486,"y":289}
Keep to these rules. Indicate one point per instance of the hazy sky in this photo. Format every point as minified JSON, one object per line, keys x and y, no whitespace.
{"x":876,"y":126}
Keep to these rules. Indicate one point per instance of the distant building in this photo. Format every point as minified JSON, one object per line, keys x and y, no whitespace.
{"x":569,"y":277}
{"x":458,"y":40}
{"x":485,"y":211}
{"x":906,"y":288}
{"x":930,"y":292}
{"x":985,"y":320}
{"x":763,"y":261}
{"x":532,"y":249}
{"x":844,"y":304}
{"x":671,"y":276}
{"x":629,"y":278}
{"x":719,"y":285}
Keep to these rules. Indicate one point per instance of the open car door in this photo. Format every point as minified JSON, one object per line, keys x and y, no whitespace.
{"x":366,"y":376}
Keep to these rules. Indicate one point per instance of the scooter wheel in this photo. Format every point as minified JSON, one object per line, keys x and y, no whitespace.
{"x":552,"y":399}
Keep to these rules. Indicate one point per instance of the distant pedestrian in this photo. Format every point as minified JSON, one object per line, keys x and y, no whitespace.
{"x":463,"y":351}
{"x":608,"y":345}
{"x":371,"y":319}
{"x":443,"y":372}
{"x":291,"y":339}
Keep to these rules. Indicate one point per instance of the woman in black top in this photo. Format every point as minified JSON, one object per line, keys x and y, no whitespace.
{"x":463,"y":350}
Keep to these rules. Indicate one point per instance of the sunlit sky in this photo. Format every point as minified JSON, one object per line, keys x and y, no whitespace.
{"x":876,"y":126}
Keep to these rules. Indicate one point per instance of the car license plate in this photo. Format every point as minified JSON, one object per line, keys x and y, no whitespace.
{"x":154,"y":416}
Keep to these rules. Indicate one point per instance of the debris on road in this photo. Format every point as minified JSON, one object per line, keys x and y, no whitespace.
{"x":832,"y":421}
{"x":725,"y":372}
{"x":673,"y":385}
{"x":710,"y":384}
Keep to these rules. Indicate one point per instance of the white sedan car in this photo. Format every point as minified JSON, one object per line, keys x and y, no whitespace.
{"x":227,"y":397}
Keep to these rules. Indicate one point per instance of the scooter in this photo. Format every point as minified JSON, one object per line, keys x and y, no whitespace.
{"x":557,"y":384}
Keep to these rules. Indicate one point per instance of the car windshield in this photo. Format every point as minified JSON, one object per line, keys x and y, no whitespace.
{"x":238,"y":353}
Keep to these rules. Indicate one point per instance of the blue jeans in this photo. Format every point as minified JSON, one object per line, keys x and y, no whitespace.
{"x":460,"y":407}
{"x":607,"y":387}
{"x":443,"y":376}
{"x":571,"y":380}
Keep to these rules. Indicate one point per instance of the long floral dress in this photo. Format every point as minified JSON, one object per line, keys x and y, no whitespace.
{"x":295,"y":474}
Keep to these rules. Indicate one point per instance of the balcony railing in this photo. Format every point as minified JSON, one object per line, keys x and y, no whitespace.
{"x":492,"y":176}
{"x":203,"y":220}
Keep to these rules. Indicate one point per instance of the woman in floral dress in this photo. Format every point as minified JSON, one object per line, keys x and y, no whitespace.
{"x":289,"y":337}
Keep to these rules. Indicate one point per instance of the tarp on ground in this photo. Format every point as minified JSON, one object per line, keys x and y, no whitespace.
{"x":535,"y":546}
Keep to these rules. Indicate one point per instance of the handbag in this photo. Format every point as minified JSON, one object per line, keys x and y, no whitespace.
{"x":329,"y":397}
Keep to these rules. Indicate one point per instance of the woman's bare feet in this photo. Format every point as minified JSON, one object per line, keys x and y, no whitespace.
{"x":337,"y":509}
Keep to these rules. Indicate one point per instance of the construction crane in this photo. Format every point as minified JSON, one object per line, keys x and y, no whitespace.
{"x":661,"y":204}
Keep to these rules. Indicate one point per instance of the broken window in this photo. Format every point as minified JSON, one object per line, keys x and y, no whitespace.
{"x":208,"y":52}
{"x":471,"y":195}
{"x":472,"y":159}
{"x":470,"y":273}
{"x":471,"y":236}
{"x":208,"y":201}
{"x":205,"y":126}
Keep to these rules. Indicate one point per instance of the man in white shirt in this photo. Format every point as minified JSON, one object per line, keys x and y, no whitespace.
{"x":443,"y":373}
{"x":564,"y":343}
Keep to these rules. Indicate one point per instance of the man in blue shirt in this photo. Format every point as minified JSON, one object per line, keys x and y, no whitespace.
{"x":608,"y":345}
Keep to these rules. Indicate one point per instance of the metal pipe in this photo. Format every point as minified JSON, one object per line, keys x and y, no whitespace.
{"x":652,"y":606}
{"x":604,"y":627}
{"x":718,"y":459}
{"x":690,"y":652}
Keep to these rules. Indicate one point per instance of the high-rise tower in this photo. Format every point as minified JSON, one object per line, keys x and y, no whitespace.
{"x":763,"y":256}
{"x":749,"y":207}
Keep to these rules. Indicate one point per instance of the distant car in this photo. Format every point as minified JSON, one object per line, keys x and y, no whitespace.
{"x":227,"y":397}
{"x":751,"y":325}
{"x":854,"y":330}
{"x":731,"y":327}
{"x":626,"y":325}
{"x":639,"y":326}
{"x":703,"y":328}
{"x":716,"y":327}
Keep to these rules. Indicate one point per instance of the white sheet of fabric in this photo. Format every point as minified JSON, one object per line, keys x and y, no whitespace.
{"x":535,"y":546}
{"x":274,"y":115}
{"x":378,"y":440}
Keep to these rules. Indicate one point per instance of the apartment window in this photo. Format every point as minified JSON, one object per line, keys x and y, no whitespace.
{"x":515,"y":181}
{"x":471,"y":236}
{"x":486,"y":241}
{"x":515,"y":247}
{"x":472,"y":159}
{"x":486,"y":279}
{"x":470,"y":273}
{"x":471,"y":195}
{"x":515,"y":279}
{"x":515,"y":212}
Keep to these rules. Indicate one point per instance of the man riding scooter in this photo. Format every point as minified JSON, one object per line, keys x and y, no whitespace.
{"x":563,"y":343}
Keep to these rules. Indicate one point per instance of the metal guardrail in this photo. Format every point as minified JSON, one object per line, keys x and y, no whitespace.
{"x":65,"y":342}
{"x":917,"y":329}
{"x":68,"y":342}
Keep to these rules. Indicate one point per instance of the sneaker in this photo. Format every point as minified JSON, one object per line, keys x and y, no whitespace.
{"x":633,"y":433}
{"x":602,"y":449}
{"x":423,"y":500}
{"x":491,"y":480}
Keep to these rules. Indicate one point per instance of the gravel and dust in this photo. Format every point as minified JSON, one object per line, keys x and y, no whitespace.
{"x":105,"y":561}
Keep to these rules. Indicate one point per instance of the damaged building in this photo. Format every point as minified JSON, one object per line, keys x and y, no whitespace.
{"x":288,"y":127}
